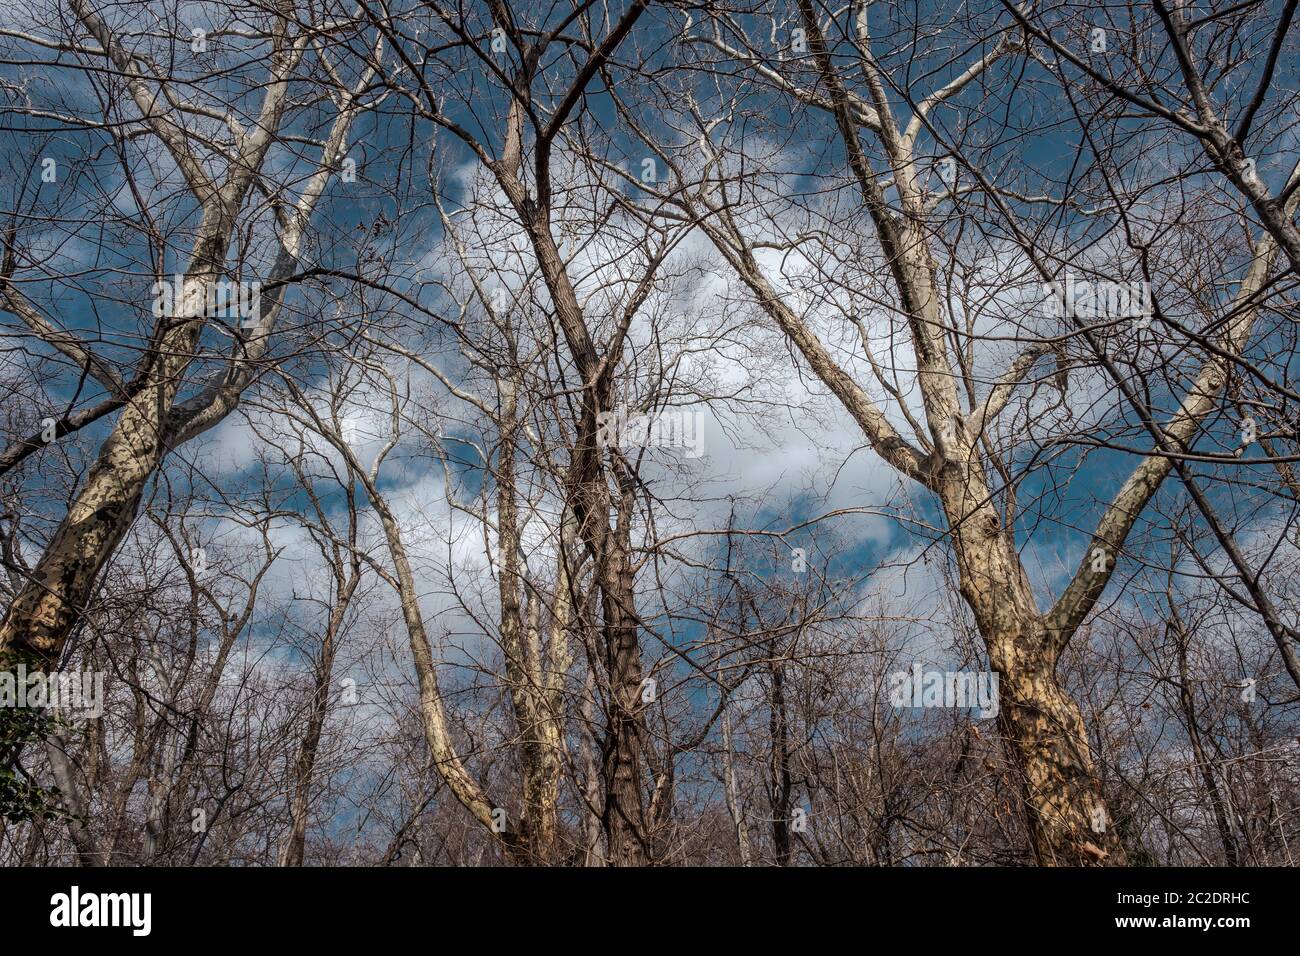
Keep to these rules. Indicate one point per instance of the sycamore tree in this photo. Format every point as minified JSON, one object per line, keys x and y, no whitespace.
{"x":193,"y":157}
{"x":485,"y":434}
{"x":947,"y":228}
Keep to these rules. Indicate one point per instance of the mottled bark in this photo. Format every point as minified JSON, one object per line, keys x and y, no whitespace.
{"x":59,"y":588}
{"x":588,"y":491}
{"x":536,"y":717}
{"x":1043,"y":727}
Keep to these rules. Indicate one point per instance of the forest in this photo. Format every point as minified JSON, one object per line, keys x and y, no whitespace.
{"x":576,"y":433}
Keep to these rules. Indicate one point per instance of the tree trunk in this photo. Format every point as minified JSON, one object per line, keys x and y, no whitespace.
{"x":779,"y":782}
{"x":610,"y":548}
{"x":624,"y":820}
{"x":520,"y":642}
{"x":1041,"y":725}
{"x":42,"y":615}
{"x":295,"y":844}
